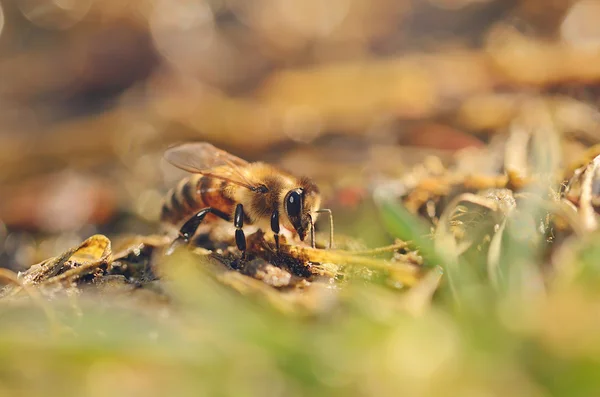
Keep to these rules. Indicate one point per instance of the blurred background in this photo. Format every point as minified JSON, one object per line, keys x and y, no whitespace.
{"x":349,"y":92}
{"x":357,"y":94}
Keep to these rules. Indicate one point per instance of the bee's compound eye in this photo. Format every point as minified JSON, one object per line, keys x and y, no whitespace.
{"x":293,"y":203}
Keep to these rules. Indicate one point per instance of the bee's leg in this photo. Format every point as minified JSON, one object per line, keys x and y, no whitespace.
{"x":275,"y":227}
{"x":189,"y":228}
{"x":238,"y":222}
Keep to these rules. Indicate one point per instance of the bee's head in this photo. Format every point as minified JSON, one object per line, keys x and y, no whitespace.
{"x":300,"y":205}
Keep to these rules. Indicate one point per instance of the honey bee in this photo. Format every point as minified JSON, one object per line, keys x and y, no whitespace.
{"x":225,"y":186}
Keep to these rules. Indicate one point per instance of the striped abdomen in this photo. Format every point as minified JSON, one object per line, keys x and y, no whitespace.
{"x":193,"y":194}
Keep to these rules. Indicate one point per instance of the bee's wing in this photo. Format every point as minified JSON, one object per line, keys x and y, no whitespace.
{"x":204,"y":158}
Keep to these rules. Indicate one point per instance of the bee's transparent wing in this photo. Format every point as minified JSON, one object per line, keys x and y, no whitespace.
{"x":204,"y":158}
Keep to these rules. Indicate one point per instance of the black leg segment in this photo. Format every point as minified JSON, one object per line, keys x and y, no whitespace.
{"x":238,"y":218}
{"x":275,"y":227}
{"x":189,"y":228}
{"x":240,"y":239}
{"x":238,"y":222}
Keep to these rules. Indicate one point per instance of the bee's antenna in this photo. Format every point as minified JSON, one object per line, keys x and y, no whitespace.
{"x":312,"y":232}
{"x":328,"y":211}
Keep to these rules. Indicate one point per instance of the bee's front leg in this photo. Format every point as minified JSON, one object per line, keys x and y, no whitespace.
{"x":275,"y":227}
{"x":238,"y":222}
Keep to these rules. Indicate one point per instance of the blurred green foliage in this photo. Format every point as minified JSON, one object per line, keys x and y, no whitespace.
{"x":210,"y":340}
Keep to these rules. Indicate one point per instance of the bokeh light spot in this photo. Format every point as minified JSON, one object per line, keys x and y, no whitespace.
{"x":302,"y":124}
{"x":580,"y":26}
{"x":182,"y":30}
{"x":54,"y":14}
{"x":313,"y":18}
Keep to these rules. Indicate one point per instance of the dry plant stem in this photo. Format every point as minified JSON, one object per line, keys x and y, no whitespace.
{"x":78,"y":271}
{"x":54,"y":266}
{"x":407,"y":274}
{"x":381,"y":250}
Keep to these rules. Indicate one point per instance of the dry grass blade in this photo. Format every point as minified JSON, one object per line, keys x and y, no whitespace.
{"x":407,"y":274}
{"x":382,"y":250}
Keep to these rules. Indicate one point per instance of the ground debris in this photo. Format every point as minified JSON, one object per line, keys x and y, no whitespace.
{"x":90,"y":263}
{"x":137,"y":268}
{"x":522,"y":191}
{"x":86,"y":258}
